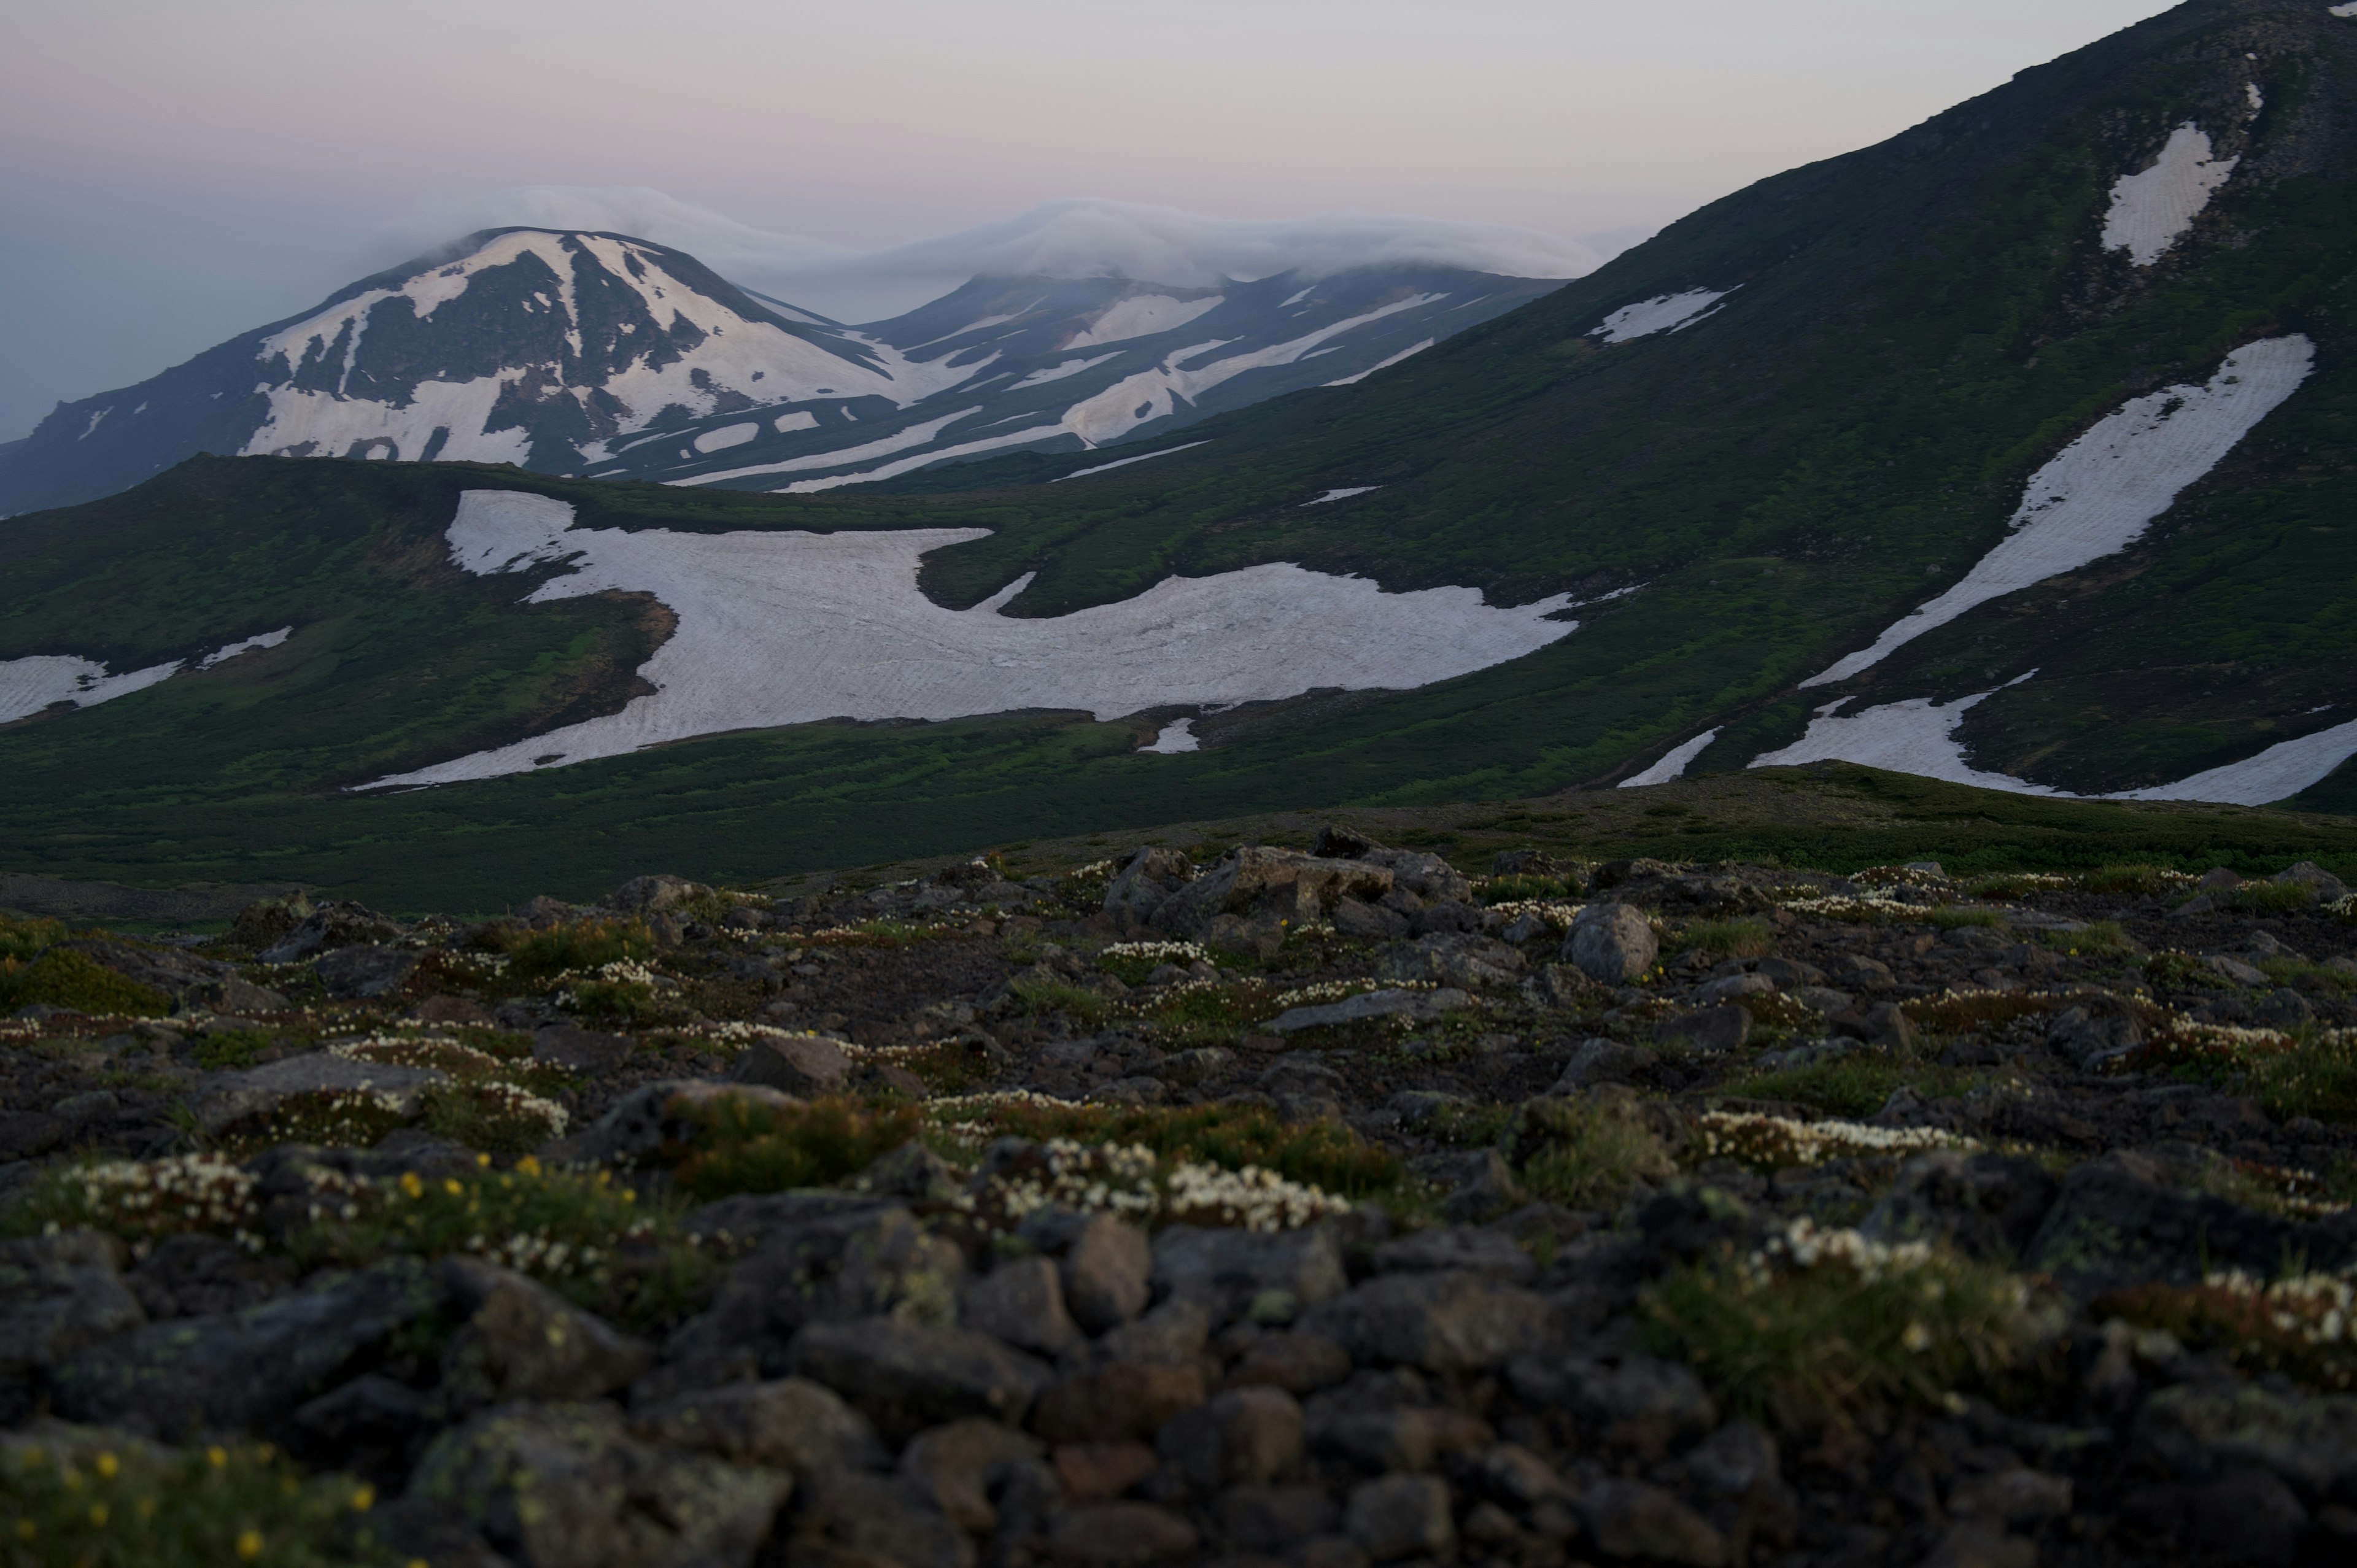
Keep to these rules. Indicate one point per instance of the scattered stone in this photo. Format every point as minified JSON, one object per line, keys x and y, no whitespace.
{"x":1603,"y":1061}
{"x":1454,"y":1321}
{"x":1117,"y":1535}
{"x":1021,"y":1303}
{"x":1401,"y":1516}
{"x":1713,"y":1031}
{"x":1612,"y":942}
{"x":364,"y":973}
{"x":235,"y":1097}
{"x":1637,"y":1519}
{"x":578,"y":1050}
{"x":789,"y":1424}
{"x":906,"y":1377}
{"x":520,"y":1340}
{"x":1369,"y":1005}
{"x":805,"y":1065}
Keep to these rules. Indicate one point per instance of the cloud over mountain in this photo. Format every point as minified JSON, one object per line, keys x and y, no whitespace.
{"x":1080,"y":238}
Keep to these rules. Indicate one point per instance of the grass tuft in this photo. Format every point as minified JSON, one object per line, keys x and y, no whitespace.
{"x":745,"y":1148}
{"x":1746,"y":938}
{"x":63,"y":979}
{"x":585,"y":945}
{"x":1585,"y":1154}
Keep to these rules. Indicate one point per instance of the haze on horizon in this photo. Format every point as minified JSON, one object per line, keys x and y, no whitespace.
{"x":174,"y":174}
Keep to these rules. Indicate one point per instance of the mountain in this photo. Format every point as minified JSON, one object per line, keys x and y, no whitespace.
{"x":570,"y":352}
{"x":2016,"y":450}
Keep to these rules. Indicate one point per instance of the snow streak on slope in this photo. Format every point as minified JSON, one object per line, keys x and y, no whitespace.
{"x":1917,"y":737}
{"x":1126,"y":462}
{"x":780,"y":629}
{"x":28,"y":685}
{"x":1141,"y":315}
{"x":1665,"y":313}
{"x":2151,"y":211}
{"x":1149,"y":394}
{"x":2105,"y":488}
{"x":1673,"y":765}
{"x":1412,"y":349}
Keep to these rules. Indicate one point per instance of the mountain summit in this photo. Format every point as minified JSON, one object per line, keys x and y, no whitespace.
{"x":589,"y":351}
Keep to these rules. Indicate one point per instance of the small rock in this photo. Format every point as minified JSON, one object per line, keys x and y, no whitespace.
{"x":1117,"y":1535}
{"x":1402,"y":1516}
{"x":579,"y":1050}
{"x":234,"y":1096}
{"x":522,"y":1341}
{"x":1603,"y":1061}
{"x":1273,"y":1518}
{"x":1091,"y":1472}
{"x":1973,"y":1543}
{"x":1514,"y":1474}
{"x":1881,"y":1025}
{"x":1021,"y":1303}
{"x":1635,"y":1519}
{"x":1711,"y":1031}
{"x":1448,"y":1322}
{"x":1228,"y":1270}
{"x":455,"y":1011}
{"x":565,"y":1485}
{"x":362,"y":974}
{"x":1121,"y":1401}
{"x":788,"y":1424}
{"x":2236,"y":969}
{"x":2012,"y":1496}
{"x":906,"y":1376}
{"x":60,"y":1294}
{"x":1613,"y":942}
{"x":1734,"y":988}
{"x":1458,"y":1247}
{"x":1298,"y":1362}
{"x":807,"y":1065}
{"x":1107,"y":1273}
{"x":2088,"y":1039}
{"x":952,"y":1468}
{"x":1485,"y":1189}
{"x":1248,"y":1436}
{"x":1370,"y":1004}
{"x":645,"y":896}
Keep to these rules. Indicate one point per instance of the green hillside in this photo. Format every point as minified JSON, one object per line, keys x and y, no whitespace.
{"x":1911,"y":331}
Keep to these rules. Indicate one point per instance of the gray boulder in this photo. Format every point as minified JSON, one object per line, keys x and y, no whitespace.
{"x":1612,"y":942}
{"x":797,"y":1064}
{"x":1274,"y":883}
{"x":1637,"y":1519}
{"x":1418,"y":1005}
{"x":644,"y":896}
{"x":1401,"y":1516}
{"x":786,"y":1424}
{"x":1452,"y":1321}
{"x":1462,"y":959}
{"x":1228,"y":1271}
{"x":257,"y":1092}
{"x":365,"y":972}
{"x":1988,"y":1206}
{"x":1712,"y":1031}
{"x":59,"y":1295}
{"x":906,"y":1377}
{"x":1021,"y":1303}
{"x":1144,"y":885}
{"x":249,"y":1369}
{"x":1426,"y":876}
{"x":565,"y":1485}
{"x":2116,"y":1223}
{"x":520,"y":1340}
{"x":1107,"y":1273}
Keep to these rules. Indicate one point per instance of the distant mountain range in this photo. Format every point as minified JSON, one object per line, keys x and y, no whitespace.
{"x":574,"y":352}
{"x":2019,"y":450}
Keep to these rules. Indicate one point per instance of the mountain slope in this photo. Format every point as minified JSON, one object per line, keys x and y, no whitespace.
{"x":1742,"y":453}
{"x":588,"y":351}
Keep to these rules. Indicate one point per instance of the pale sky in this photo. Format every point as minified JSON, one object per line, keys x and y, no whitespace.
{"x":174,"y":172}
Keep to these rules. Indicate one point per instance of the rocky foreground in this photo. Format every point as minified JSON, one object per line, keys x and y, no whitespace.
{"x":1319,"y":1208}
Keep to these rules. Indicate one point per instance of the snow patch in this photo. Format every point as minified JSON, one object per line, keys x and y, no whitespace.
{"x":2104,"y":490}
{"x":728,"y":435}
{"x":267,"y":640}
{"x":1341,"y":494}
{"x":780,"y":628}
{"x":28,"y":685}
{"x":2151,"y":210}
{"x":2349,"y":10}
{"x":801,"y":419}
{"x":924,"y":459}
{"x":1384,"y":364}
{"x":1126,"y":462}
{"x":1141,"y":316}
{"x":2258,"y":100}
{"x":1663,"y":313}
{"x":1059,"y":371}
{"x":899,"y":441}
{"x":1175,"y":737}
{"x":1673,"y":764}
{"x":1920,"y":737}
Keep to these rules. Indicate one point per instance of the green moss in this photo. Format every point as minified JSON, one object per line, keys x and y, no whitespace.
{"x":1746,"y":938}
{"x":64,"y":979}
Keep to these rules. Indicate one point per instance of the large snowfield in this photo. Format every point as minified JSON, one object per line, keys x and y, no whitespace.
{"x":790,"y":628}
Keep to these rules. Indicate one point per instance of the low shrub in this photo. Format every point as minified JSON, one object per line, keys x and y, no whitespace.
{"x":2316,"y":1077}
{"x":538,"y":955}
{"x":23,"y":939}
{"x":745,"y":1147}
{"x":2275,"y":897}
{"x":64,"y":979}
{"x":2011,"y":884}
{"x":2098,"y":939}
{"x":1749,"y":937}
{"x":1041,"y":997}
{"x":225,"y":1048}
{"x":1825,"y":1327}
{"x":140,"y":1505}
{"x":1523,"y":887}
{"x":1584,"y":1154}
{"x":1853,"y":1086}
{"x":2138,"y":878}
